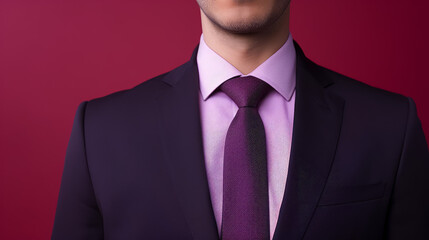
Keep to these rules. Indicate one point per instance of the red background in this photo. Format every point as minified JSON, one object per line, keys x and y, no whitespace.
{"x":55,"y":54}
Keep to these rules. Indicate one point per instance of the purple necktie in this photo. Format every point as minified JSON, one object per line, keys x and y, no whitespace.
{"x":245,"y":212}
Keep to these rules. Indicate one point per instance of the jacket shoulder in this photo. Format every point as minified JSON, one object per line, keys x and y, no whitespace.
{"x":142,"y":95}
{"x":368,"y":108}
{"x":353,"y":90}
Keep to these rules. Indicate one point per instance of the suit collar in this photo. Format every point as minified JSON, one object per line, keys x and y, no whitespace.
{"x":317,"y":123}
{"x":183,"y":150}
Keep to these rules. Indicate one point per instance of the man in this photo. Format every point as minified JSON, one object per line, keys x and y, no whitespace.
{"x":247,"y":140}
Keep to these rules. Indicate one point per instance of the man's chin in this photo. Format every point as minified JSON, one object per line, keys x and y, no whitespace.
{"x":242,"y":26}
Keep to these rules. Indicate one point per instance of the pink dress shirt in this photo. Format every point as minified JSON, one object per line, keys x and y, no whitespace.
{"x":276,"y":110}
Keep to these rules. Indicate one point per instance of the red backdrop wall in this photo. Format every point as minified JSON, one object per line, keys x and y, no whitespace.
{"x":55,"y":54}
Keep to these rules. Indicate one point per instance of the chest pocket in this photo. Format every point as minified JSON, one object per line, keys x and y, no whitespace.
{"x":343,"y":194}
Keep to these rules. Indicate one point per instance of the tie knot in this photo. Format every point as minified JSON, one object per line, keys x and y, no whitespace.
{"x":245,"y":91}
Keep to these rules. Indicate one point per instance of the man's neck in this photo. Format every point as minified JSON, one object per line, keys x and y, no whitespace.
{"x":246,"y":51}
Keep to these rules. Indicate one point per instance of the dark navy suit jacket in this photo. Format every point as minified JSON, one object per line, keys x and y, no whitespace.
{"x":134,"y":168}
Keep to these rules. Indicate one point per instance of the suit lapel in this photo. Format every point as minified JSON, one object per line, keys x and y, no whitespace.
{"x":183,"y":149}
{"x":317,"y":123}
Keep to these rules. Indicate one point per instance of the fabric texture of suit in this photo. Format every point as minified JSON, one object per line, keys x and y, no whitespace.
{"x":134,"y":168}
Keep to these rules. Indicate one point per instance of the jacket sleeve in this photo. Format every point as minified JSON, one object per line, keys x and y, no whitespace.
{"x":409,"y":207}
{"x":77,"y":214}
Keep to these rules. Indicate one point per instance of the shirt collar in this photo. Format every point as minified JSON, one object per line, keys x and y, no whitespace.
{"x":278,"y":70}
